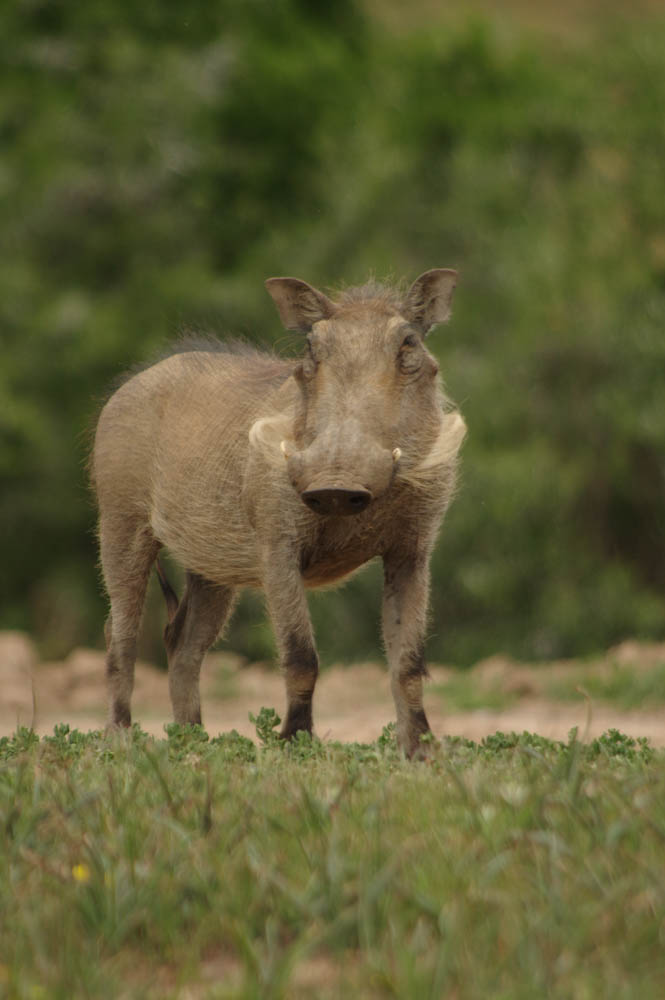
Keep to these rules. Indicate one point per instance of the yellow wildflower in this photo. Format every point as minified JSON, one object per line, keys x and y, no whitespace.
{"x":81,"y":872}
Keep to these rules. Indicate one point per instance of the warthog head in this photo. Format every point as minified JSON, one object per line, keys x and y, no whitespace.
{"x":369,"y":396}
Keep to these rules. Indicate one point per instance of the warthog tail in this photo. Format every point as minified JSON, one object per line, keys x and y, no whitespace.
{"x":169,"y":593}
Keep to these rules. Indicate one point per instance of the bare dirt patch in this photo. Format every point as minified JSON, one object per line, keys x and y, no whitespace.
{"x":352,"y":702}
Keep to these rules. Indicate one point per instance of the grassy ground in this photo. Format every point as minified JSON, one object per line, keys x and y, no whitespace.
{"x":620,"y":685}
{"x":604,"y":681}
{"x":189,"y":867}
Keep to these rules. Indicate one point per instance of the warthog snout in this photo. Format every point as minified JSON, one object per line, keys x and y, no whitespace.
{"x":337,"y":500}
{"x":340,"y":476}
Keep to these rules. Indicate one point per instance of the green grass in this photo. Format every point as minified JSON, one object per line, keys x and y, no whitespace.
{"x":464,"y":693}
{"x":190,"y":867}
{"x":623,"y":686}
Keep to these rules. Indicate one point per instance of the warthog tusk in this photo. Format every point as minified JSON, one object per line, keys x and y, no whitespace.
{"x":397,"y":454}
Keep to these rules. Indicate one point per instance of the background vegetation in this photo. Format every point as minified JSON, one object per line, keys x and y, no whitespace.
{"x":159,"y":162}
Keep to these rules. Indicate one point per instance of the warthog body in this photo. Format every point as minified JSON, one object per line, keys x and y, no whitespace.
{"x":257,"y":471}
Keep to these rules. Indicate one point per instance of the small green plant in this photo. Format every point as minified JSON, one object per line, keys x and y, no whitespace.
{"x":22,"y":740}
{"x":616,"y":744}
{"x":70,"y":743}
{"x":266,"y":723}
{"x":185,"y":740}
{"x":387,"y":741}
{"x":305,"y":747}
{"x":233,"y":747}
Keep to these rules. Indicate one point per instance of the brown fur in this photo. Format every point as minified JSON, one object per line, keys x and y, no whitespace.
{"x":214,"y":454}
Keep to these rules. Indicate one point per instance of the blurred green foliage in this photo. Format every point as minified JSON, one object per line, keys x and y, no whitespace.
{"x":159,"y":161}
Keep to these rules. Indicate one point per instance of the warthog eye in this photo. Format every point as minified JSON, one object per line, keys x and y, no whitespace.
{"x":409,"y":358}
{"x":308,"y":364}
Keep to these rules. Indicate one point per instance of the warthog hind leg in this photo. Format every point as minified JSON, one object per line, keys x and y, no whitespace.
{"x":127,"y":554}
{"x":198,"y":620}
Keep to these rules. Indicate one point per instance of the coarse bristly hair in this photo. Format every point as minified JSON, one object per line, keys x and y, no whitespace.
{"x":382,"y":293}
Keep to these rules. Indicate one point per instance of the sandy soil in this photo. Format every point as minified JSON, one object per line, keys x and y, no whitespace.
{"x":352,"y":702}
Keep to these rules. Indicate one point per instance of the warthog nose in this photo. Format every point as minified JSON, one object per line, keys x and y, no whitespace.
{"x":337,"y":501}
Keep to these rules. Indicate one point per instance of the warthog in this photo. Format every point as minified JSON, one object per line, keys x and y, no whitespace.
{"x":260,"y":471}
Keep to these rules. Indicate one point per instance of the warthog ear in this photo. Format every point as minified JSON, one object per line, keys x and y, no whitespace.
{"x":299,"y":305}
{"x":429,"y":298}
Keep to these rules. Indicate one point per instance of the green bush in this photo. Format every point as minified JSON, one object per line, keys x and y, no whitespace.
{"x":160,"y":163}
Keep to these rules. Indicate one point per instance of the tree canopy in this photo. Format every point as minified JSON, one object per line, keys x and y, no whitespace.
{"x":160,"y":161}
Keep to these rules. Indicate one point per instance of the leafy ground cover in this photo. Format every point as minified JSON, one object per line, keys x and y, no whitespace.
{"x":196,"y":867}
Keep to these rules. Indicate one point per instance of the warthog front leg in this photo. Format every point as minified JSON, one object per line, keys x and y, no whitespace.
{"x":200,"y":617}
{"x":405,"y":597}
{"x":289,"y":613}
